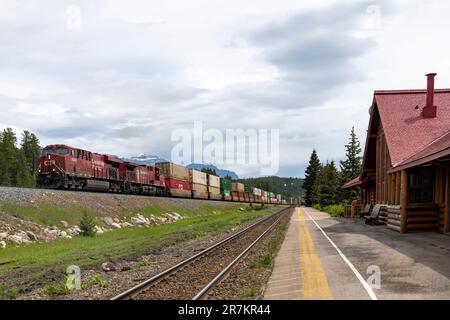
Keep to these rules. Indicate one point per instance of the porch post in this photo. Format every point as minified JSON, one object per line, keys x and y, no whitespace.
{"x":447,"y":202}
{"x":404,"y":201}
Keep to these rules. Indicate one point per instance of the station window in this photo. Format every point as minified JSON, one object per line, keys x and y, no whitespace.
{"x":421,"y":182}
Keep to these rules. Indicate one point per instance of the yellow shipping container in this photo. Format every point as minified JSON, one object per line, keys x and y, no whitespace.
{"x":237,"y":187}
{"x":197,"y":177}
{"x":174,"y":171}
{"x":213,"y":181}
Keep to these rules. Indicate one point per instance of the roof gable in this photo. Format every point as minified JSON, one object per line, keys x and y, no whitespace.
{"x":407,"y":131}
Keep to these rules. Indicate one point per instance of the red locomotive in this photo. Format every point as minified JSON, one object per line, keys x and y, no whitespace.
{"x":64,"y":167}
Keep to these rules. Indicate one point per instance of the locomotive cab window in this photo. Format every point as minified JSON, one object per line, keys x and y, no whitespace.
{"x":55,"y":151}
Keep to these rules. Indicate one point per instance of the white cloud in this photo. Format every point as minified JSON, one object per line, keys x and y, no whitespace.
{"x":133,"y":72}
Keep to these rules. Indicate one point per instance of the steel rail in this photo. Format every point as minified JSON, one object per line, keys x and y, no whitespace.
{"x":217,"y":279}
{"x":139,"y":287}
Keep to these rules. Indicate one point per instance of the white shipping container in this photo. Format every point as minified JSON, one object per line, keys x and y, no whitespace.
{"x":257,"y":192}
{"x":214,"y":181}
{"x":279,"y":196}
{"x":197,"y":177}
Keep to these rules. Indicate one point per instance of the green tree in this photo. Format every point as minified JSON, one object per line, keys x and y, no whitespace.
{"x":23,"y":177}
{"x":32,"y":151}
{"x":329,"y":184}
{"x":87,"y":224}
{"x":351,"y":166}
{"x":8,"y":160}
{"x":311,"y":175}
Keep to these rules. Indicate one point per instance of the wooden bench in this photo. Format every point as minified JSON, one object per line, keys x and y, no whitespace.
{"x":372,"y":218}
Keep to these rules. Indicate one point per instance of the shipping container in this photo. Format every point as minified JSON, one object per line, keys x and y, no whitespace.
{"x":214,"y":193}
{"x":174,"y":171}
{"x":237,"y":187}
{"x":178,"y":188}
{"x":199,"y":191}
{"x":213,"y":181}
{"x":248,"y":189}
{"x":178,"y":184}
{"x":257,"y":192}
{"x":225,"y":187}
{"x":235,"y":196}
{"x":197,"y":177}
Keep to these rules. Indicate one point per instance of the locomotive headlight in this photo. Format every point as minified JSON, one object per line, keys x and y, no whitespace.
{"x":48,"y":157}
{"x":53,"y":170}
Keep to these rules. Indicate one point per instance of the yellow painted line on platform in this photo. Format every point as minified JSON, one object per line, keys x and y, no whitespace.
{"x":315,"y":283}
{"x":282,"y":293}
{"x":282,"y":280}
{"x":284,"y":286}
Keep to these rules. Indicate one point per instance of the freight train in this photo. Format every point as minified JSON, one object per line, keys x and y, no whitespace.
{"x":65,"y":167}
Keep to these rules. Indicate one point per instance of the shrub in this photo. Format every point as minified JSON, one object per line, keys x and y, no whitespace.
{"x":335,"y":210}
{"x":87,"y":225}
{"x":317,"y":207}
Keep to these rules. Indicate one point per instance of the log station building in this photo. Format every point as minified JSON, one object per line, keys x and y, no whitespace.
{"x":406,"y":163}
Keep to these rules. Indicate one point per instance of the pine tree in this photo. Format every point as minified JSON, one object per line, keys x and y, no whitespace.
{"x":31,"y":149}
{"x":351,"y":166}
{"x":8,"y":160}
{"x":23,"y":177}
{"x":329,"y":185}
{"x":311,"y":175}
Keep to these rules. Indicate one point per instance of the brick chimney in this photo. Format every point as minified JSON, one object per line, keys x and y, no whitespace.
{"x":430,"y":110}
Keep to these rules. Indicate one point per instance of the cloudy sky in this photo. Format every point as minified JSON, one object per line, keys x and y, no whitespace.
{"x":119,"y":77}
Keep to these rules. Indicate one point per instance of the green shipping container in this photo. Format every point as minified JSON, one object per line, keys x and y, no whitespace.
{"x":248,"y":189}
{"x":225,"y":187}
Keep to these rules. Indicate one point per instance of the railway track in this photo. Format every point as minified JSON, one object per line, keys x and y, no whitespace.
{"x":194,"y":277}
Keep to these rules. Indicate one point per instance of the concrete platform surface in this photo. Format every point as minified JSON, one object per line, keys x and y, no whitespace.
{"x":337,"y":258}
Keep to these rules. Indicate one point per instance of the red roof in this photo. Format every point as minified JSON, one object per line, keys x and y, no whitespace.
{"x":353,"y":183}
{"x":408,"y":133}
{"x":436,"y":150}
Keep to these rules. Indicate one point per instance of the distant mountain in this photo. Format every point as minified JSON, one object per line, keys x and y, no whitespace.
{"x":145,"y":159}
{"x":220,"y":172}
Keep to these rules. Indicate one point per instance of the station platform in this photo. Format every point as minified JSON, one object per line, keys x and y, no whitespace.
{"x":298,"y":271}
{"x":324,"y":258}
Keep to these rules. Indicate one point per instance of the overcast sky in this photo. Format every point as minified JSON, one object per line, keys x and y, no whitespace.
{"x":126,"y":74}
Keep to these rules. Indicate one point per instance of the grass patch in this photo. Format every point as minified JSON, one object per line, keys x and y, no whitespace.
{"x":38,"y":259}
{"x":45,"y":213}
{"x":8,"y":293}
{"x":153,"y":210}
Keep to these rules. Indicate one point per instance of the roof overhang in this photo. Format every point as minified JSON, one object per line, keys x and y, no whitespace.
{"x":421,"y":161}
